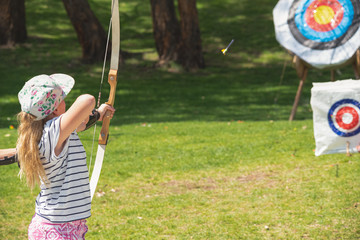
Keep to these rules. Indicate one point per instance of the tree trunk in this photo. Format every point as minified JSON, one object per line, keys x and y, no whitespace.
{"x":12,"y":22}
{"x":90,"y":33}
{"x":166,"y":30}
{"x":190,"y":51}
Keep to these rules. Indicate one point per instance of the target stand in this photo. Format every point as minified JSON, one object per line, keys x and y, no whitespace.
{"x":302,"y":68}
{"x":320,"y":34}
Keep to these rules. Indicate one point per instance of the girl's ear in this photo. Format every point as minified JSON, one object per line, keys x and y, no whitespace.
{"x":60,"y":109}
{"x":56,"y":112}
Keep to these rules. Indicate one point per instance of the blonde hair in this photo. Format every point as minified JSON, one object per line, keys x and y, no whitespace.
{"x":30,"y":132}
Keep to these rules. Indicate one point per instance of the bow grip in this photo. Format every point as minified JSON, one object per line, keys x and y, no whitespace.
{"x":104,"y":133}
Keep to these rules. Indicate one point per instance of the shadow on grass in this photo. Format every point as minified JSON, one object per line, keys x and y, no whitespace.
{"x":145,"y":94}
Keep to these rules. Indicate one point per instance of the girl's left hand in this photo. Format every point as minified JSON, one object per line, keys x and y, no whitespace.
{"x":103,"y":109}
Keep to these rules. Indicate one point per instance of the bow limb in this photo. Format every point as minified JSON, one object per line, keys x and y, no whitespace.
{"x":112,"y":80}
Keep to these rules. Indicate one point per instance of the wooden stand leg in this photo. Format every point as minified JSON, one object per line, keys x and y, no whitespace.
{"x":356,"y":64}
{"x":332,"y":75}
{"x":356,"y":71}
{"x":298,"y":94}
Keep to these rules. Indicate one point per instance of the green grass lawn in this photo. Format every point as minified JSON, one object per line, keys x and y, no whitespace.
{"x":201,"y":155}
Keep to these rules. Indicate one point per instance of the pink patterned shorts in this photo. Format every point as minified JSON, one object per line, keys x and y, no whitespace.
{"x":41,"y":228}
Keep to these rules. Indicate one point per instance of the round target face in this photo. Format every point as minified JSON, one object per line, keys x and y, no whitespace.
{"x":344,"y":117}
{"x":323,"y":24}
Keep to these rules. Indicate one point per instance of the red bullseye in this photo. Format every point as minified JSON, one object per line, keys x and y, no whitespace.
{"x":347,"y":118}
{"x":324,"y":15}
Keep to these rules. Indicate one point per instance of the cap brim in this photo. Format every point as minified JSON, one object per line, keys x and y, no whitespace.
{"x":65,"y":81}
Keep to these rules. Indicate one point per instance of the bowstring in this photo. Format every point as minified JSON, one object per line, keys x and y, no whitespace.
{"x":101,"y":82}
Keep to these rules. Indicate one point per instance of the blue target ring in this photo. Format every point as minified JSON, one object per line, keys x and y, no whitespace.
{"x":318,"y":36}
{"x":319,"y":40}
{"x":332,"y":122}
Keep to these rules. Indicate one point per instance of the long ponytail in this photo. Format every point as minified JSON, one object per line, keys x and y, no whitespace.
{"x":30,"y":132}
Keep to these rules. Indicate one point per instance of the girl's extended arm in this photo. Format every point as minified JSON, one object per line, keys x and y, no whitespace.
{"x":73,"y":117}
{"x":77,"y":116}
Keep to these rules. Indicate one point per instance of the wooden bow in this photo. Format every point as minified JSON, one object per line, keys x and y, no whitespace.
{"x":112,"y":79}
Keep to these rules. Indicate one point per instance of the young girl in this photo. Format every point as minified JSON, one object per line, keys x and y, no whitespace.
{"x":51,"y":155}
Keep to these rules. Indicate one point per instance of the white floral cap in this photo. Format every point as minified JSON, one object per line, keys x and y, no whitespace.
{"x":42,"y":94}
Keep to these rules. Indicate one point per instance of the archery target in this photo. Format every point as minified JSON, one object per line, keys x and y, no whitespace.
{"x":336,"y":116}
{"x":344,"y":117}
{"x":323,"y":24}
{"x":323,"y":33}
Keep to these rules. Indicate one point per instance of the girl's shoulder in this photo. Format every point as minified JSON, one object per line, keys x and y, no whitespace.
{"x":54,"y":122}
{"x":50,"y":138}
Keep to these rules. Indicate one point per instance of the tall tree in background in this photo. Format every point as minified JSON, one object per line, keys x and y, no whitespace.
{"x":180,"y":42}
{"x":166,"y":30}
{"x":190,"y":48}
{"x":12,"y":22}
{"x":90,"y":33}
